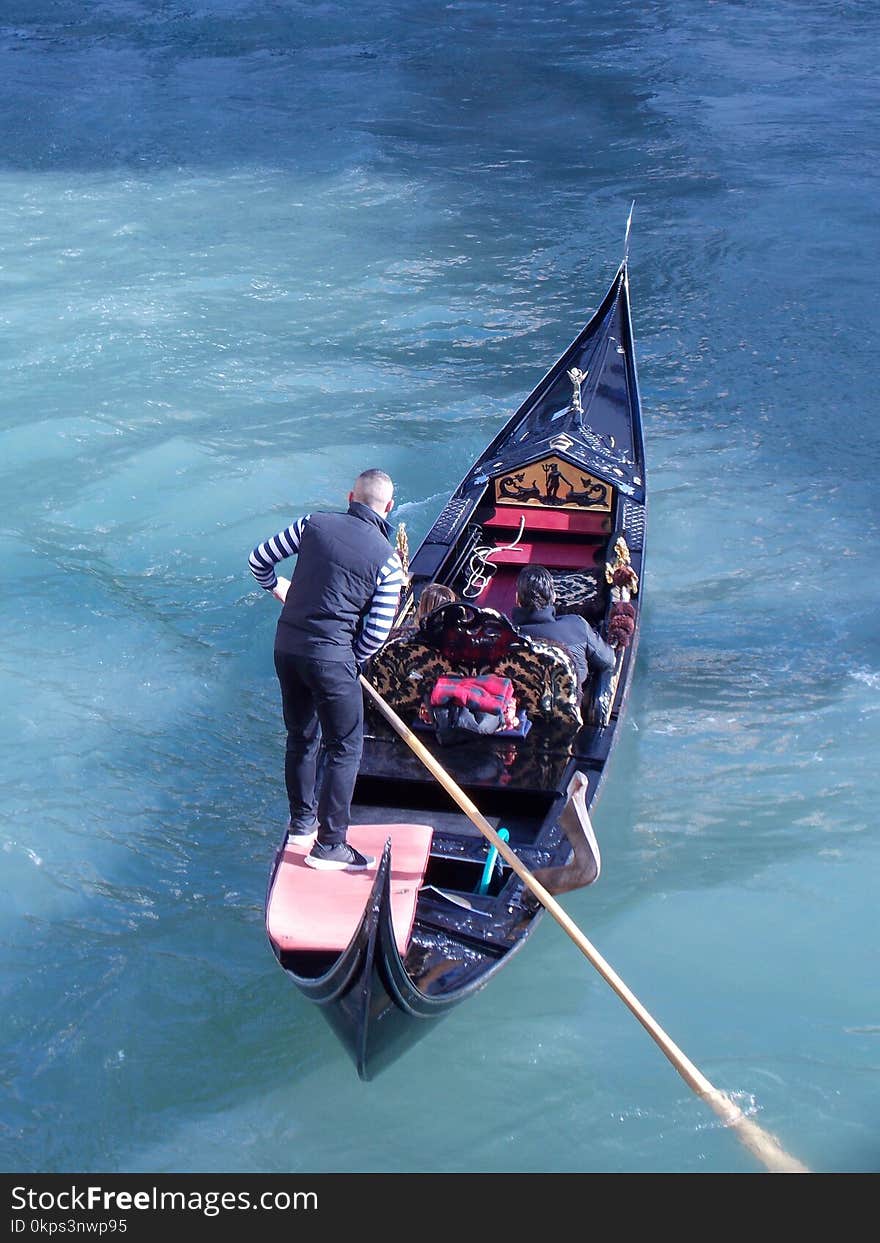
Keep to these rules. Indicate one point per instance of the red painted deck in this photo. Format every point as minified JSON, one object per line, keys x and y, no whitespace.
{"x":313,"y":910}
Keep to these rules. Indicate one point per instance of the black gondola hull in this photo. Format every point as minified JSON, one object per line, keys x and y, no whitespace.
{"x":569,"y":467}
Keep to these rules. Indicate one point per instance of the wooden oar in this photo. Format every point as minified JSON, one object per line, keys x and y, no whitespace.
{"x":758,"y":1141}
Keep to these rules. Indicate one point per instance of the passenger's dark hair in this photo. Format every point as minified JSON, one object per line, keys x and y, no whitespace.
{"x":534,"y":587}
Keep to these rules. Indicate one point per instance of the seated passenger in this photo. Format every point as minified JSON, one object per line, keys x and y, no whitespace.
{"x":535,"y":615}
{"x":433,"y":595}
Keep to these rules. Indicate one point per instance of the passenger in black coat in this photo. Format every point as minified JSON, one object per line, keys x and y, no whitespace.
{"x":535,"y":615}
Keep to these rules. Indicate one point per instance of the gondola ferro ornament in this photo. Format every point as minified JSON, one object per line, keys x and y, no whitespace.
{"x":577,"y":378}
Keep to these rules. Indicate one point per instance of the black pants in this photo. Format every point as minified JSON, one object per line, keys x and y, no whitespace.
{"x":322,"y":703}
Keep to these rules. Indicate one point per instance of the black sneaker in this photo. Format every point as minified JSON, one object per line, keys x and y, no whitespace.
{"x":299,"y":834}
{"x":335,"y":858}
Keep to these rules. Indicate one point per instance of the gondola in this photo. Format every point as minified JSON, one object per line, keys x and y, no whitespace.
{"x":386,"y":953}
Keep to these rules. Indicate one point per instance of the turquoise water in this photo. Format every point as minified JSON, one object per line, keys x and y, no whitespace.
{"x":248,"y":248}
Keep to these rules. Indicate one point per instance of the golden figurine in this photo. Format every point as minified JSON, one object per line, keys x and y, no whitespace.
{"x":624,"y":584}
{"x":402,"y":545}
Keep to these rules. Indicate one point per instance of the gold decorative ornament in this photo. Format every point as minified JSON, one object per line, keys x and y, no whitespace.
{"x":619,"y":572}
{"x":624,"y":584}
{"x":402,"y":546}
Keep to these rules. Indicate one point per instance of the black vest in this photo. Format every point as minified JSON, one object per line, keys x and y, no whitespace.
{"x":339,"y":558}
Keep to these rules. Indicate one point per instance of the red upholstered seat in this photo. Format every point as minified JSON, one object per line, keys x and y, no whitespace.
{"x":571,"y":520}
{"x":314,"y":910}
{"x":552,"y":555}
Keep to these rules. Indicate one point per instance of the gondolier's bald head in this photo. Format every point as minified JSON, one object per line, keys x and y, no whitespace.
{"x":534,"y":588}
{"x":374,"y":488}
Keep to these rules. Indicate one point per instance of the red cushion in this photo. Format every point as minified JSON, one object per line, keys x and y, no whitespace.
{"x":552,"y":555}
{"x":592,"y":522}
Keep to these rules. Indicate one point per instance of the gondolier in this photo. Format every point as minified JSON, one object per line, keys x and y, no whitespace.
{"x":338,"y":609}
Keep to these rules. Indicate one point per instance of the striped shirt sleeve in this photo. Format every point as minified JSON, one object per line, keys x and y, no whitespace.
{"x":266,"y":556}
{"x":383,"y":608}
